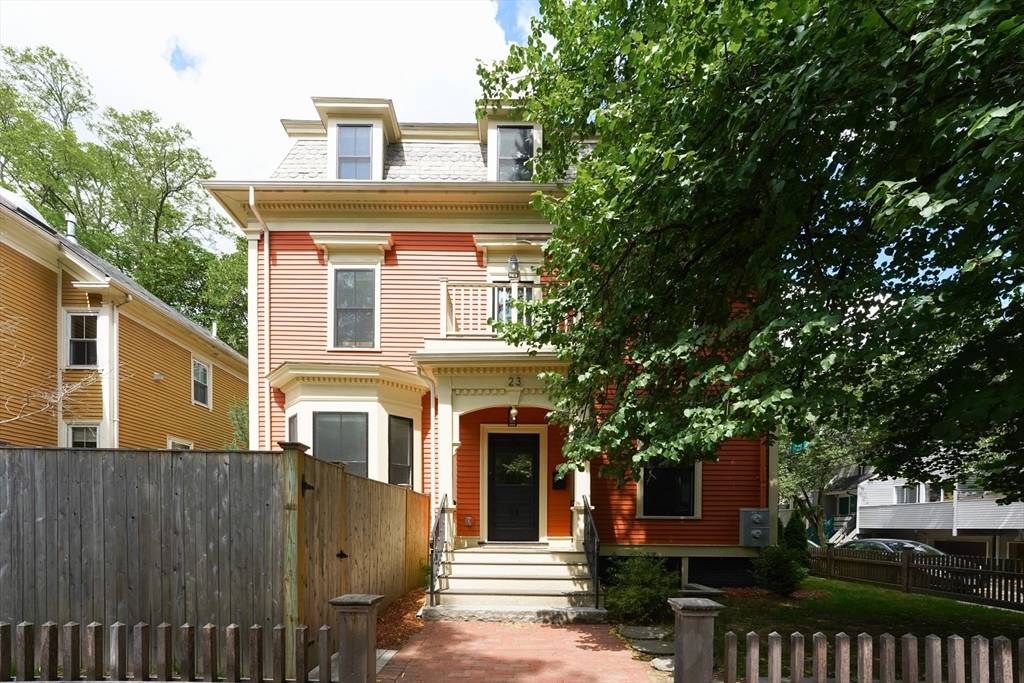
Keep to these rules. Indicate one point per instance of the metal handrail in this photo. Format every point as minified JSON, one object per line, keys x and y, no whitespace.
{"x":592,"y":548}
{"x":437,"y":544}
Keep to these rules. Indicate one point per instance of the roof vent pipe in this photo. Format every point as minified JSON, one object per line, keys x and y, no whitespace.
{"x":72,"y":226}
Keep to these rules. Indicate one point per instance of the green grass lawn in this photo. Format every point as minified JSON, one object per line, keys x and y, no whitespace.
{"x":854,"y":609}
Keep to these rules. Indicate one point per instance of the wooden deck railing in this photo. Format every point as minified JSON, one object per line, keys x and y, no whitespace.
{"x":469,"y":308}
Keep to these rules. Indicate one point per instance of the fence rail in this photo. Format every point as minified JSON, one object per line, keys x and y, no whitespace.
{"x":987,"y":581}
{"x":857,"y":661}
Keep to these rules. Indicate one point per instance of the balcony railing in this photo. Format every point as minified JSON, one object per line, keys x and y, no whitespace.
{"x":469,"y":308}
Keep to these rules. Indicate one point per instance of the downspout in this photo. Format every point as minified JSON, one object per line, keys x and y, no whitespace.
{"x":433,"y":438}
{"x":266,"y":314}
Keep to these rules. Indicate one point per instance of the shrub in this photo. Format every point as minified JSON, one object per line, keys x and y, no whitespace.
{"x":779,"y":569}
{"x":794,"y":537}
{"x":639,"y":587}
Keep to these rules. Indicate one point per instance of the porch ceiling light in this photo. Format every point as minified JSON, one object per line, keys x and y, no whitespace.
{"x":513,"y":416}
{"x":513,"y":268}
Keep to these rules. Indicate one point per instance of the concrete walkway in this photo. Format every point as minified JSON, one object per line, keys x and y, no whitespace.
{"x":475,"y":652}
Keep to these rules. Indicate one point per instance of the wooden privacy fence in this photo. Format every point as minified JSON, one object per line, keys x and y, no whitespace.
{"x":984,"y":580}
{"x":198,"y":537}
{"x":986,"y":662}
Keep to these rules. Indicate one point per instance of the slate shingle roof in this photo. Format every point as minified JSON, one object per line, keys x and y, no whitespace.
{"x":307,"y":160}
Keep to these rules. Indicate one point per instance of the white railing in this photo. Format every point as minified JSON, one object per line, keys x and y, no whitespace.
{"x":469,"y":308}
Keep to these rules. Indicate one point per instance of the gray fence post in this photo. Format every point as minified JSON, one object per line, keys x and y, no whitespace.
{"x":695,"y":635}
{"x":357,"y":637}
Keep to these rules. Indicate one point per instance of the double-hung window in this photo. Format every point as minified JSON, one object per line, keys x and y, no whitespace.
{"x":82,"y":339}
{"x":400,"y":450}
{"x":200,"y":383}
{"x":906,"y":494}
{"x":515,"y":152}
{"x":355,"y":152}
{"x":342,"y":437}
{"x":355,"y":293}
{"x":85,"y":436}
{"x":670,"y":491}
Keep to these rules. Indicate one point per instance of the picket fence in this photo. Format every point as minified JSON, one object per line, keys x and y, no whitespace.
{"x":73,"y":665}
{"x":988,"y":662}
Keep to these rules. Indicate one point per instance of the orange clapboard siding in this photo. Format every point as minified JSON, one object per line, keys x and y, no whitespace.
{"x":427,"y":447}
{"x":410,"y":295}
{"x":736,"y":481}
{"x":467,"y":495}
{"x":28,"y":348}
{"x":151,"y":410}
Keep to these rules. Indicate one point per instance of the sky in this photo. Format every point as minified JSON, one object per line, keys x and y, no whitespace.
{"x":230,"y":71}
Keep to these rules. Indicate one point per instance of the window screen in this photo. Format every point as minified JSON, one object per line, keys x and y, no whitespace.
{"x":668,"y":491}
{"x":354,"y":294}
{"x":400,"y":451}
{"x":341,"y":437}
{"x":82,"y":336}
{"x":515,"y":150}
{"x":354,"y":152}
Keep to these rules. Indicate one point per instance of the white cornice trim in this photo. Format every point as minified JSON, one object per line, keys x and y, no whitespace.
{"x":336,"y":245}
{"x":288,"y":374}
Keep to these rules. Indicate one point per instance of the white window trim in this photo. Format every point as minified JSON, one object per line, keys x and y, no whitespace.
{"x":353,"y":251}
{"x":70,"y":427}
{"x":184,"y":442}
{"x":492,"y":144}
{"x":376,"y":145}
{"x":66,"y":353}
{"x":209,"y":382}
{"x":698,"y":498}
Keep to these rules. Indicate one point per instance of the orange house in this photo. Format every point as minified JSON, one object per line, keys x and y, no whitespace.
{"x":379,"y":254}
{"x":90,"y":359}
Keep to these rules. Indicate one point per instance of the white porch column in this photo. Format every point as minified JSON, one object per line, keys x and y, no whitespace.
{"x":581,"y":488}
{"x":445,"y":439}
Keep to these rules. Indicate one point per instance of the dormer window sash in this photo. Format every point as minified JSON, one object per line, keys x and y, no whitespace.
{"x":355,"y":151}
{"x":515,"y":152}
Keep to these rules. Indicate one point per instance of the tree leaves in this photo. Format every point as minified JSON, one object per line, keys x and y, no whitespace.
{"x":803,"y":214}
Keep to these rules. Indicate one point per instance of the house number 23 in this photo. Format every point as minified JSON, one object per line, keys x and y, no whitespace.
{"x":516,"y":381}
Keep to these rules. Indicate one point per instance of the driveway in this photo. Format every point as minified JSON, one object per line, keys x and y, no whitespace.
{"x":477,"y":652}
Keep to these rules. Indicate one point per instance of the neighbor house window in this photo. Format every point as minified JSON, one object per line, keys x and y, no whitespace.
{"x":82,"y":336}
{"x":200,"y":383}
{"x":848,"y":505}
{"x":515,"y":152}
{"x":906,"y":494}
{"x":668,"y":491}
{"x":355,"y":291}
{"x":342,"y":437}
{"x":400,"y":451}
{"x":85,"y":436}
{"x":355,"y":157}
{"x":178,"y":444}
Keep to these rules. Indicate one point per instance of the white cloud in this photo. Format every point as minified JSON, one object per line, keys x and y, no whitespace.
{"x":243,"y":66}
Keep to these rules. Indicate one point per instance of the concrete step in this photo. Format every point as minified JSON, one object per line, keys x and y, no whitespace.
{"x":516,"y":583}
{"x":552,"y":569}
{"x":521,"y":555}
{"x":520,"y":598}
{"x":539,"y":615}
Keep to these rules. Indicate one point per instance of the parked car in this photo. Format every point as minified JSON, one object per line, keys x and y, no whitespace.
{"x":890,"y":545}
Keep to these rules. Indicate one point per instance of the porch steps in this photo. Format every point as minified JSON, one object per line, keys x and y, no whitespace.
{"x":511,"y":582}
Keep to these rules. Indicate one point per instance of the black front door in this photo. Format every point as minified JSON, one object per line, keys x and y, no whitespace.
{"x":513,"y":509}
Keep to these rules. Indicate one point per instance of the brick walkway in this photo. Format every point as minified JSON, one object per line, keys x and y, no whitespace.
{"x":473,"y":652}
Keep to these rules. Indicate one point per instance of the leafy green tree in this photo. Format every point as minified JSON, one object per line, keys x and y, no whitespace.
{"x":807,"y":469}
{"x":133,"y":183}
{"x":800,"y":212}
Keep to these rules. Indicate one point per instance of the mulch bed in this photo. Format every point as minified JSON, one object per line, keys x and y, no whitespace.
{"x":398,"y":623}
{"x":802,"y":594}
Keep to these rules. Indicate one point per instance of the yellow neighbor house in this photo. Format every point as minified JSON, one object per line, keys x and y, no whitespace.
{"x":90,"y":359}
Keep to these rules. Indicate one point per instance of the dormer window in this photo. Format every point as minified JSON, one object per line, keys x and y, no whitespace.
{"x":355,"y":152}
{"x":515,"y":152}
